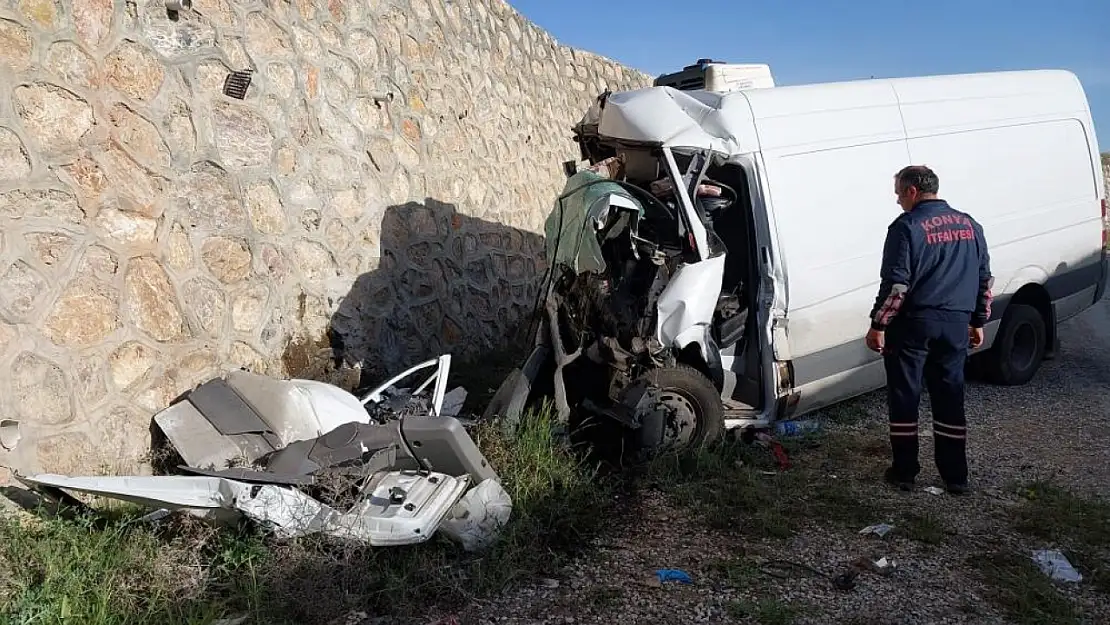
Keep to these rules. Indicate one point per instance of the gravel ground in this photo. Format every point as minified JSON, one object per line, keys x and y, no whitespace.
{"x":1051,"y":429}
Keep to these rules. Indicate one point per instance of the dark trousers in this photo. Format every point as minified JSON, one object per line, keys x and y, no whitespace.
{"x":933,"y":348}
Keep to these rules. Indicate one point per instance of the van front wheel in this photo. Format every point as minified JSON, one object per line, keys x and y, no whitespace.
{"x":694,"y":414}
{"x":1019,"y":348}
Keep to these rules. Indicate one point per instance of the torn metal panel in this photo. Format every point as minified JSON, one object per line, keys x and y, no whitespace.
{"x":684,"y":311}
{"x":200,"y":444}
{"x":225,"y":409}
{"x":403,"y":509}
{"x":349,"y":443}
{"x":442,"y":444}
{"x":252,"y":477}
{"x":579,"y":213}
{"x":664,"y":116}
{"x":297,"y":409}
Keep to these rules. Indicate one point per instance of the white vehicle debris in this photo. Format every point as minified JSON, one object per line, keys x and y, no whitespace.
{"x":259,"y":448}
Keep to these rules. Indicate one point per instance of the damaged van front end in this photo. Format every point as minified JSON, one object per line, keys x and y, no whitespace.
{"x":636,"y":310}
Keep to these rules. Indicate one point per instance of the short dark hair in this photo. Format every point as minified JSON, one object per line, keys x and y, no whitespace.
{"x":918,"y":176}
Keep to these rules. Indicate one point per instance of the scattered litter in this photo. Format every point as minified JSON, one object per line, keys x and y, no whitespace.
{"x":157,"y":515}
{"x":934,"y":490}
{"x":1056,"y":565}
{"x":447,"y":620}
{"x":882,"y":566}
{"x":549,"y":583}
{"x":302,"y":457}
{"x":797,"y":427}
{"x":880,"y":530}
{"x":776,"y":448}
{"x":235,"y":620}
{"x":9,"y":433}
{"x":673,"y":575}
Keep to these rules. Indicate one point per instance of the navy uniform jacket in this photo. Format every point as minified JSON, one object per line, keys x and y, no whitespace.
{"x":935,"y":264}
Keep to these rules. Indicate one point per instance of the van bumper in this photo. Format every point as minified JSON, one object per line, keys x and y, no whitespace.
{"x":1100,"y":288}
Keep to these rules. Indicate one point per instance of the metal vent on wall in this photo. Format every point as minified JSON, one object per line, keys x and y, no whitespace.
{"x":236,"y":83}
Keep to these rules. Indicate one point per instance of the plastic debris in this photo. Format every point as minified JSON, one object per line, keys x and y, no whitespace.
{"x":880,"y":530}
{"x":673,"y":575}
{"x":549,"y":583}
{"x":1055,"y":564}
{"x":934,"y":490}
{"x":798,"y":427}
{"x":777,"y":450}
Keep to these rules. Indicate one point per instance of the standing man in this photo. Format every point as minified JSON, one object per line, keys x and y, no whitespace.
{"x":934,"y":299}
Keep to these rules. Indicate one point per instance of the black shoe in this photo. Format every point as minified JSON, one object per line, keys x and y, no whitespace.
{"x":894,"y":480}
{"x":958,"y":489}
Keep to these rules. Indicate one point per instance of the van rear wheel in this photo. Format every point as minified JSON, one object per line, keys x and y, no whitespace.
{"x":1019,"y":348}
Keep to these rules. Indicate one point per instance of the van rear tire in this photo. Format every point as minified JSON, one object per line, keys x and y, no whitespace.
{"x":1018,"y":349}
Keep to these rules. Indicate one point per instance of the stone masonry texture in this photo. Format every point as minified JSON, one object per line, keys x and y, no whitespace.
{"x":387,"y":176}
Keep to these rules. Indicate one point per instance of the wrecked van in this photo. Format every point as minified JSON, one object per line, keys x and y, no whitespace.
{"x":713,"y":261}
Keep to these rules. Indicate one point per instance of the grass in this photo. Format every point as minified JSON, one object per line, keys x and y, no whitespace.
{"x":122,"y":572}
{"x":926,"y":527}
{"x":1023,"y":592}
{"x":1053,"y":513}
{"x":1053,"y":516}
{"x":767,"y":611}
{"x":736,"y":487}
{"x":737,"y":572}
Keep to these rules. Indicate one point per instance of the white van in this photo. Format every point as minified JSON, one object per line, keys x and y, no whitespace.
{"x":779,"y":199}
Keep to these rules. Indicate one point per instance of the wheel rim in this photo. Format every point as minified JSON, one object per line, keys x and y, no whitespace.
{"x":1024,"y":350}
{"x":681,"y":426}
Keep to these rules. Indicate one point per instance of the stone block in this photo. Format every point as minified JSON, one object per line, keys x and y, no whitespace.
{"x":16,"y":45}
{"x":152,"y":300}
{"x":15,"y":163}
{"x":85,"y":314}
{"x":206,"y":305}
{"x":40,"y":391}
{"x":227,"y":258}
{"x":242,"y":135}
{"x":134,"y":71}
{"x":55,"y":118}
{"x":22,"y":290}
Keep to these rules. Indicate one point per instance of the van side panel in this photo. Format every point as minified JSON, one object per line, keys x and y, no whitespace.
{"x":1016,"y":154}
{"x":830,"y":155}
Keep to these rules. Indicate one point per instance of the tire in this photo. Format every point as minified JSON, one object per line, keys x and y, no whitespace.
{"x":1019,"y":348}
{"x":695,"y":392}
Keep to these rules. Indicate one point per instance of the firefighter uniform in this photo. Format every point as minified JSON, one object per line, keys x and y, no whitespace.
{"x":935,"y":284}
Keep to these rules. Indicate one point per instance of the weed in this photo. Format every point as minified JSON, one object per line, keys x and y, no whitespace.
{"x":925,"y":528}
{"x":1052,"y":513}
{"x":603,"y":597}
{"x":1019,"y":588}
{"x":766,"y":611}
{"x":737,"y":572}
{"x":121,"y":572}
{"x":734,"y":487}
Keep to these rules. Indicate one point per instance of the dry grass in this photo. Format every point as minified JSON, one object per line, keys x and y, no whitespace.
{"x":120,"y":572}
{"x":737,"y":487}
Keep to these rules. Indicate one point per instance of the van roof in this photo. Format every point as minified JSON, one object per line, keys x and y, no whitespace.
{"x":722,"y":122}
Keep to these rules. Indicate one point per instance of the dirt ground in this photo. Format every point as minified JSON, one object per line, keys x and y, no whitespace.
{"x":1037,"y":453}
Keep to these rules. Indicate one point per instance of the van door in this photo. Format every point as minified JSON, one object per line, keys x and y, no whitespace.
{"x":830,"y":153}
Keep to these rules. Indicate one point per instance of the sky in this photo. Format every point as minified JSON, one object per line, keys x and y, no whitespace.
{"x":806,"y":41}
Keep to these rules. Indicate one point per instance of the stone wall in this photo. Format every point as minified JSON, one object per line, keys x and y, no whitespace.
{"x":387,"y":174}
